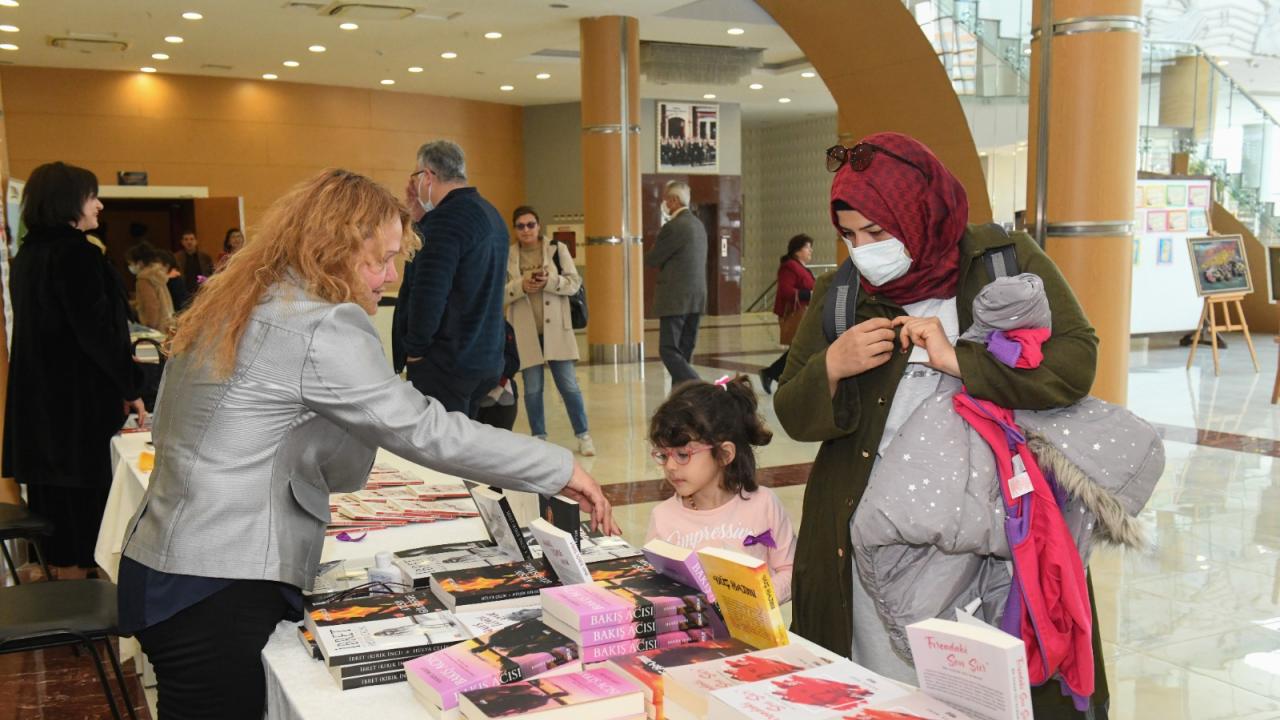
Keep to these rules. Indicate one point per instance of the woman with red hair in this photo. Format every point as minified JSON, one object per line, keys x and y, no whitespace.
{"x":905,"y":219}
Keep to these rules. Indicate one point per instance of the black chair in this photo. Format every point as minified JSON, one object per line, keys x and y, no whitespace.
{"x":18,"y":522}
{"x":76,"y":613}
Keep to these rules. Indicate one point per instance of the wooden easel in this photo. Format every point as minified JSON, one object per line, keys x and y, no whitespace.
{"x":1209,"y":315}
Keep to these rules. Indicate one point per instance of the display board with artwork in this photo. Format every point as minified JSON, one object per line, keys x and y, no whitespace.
{"x":1167,"y":212}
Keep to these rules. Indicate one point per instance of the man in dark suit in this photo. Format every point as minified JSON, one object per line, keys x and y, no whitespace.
{"x":680,"y":255}
{"x":451,"y":330}
{"x":192,"y":263}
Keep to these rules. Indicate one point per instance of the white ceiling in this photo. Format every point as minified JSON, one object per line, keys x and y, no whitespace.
{"x":247,"y":38}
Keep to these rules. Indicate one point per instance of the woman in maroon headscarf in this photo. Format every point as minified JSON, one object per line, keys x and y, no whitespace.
{"x":904,"y":218}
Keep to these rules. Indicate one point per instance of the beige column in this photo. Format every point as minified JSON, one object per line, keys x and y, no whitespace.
{"x":611,"y":187}
{"x":1092,"y":136}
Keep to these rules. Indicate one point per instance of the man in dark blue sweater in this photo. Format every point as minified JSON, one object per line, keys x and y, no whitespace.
{"x":453,"y":331}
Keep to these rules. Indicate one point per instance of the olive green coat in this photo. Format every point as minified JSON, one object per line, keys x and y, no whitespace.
{"x":850,"y":425}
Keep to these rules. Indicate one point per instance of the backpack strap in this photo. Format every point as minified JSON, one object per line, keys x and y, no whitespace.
{"x":840,"y":306}
{"x":1000,"y":261}
{"x":555,"y":255}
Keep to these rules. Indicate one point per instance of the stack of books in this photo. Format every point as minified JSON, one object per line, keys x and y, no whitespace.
{"x":597,"y":694}
{"x":649,"y":667}
{"x":687,"y":690}
{"x":512,"y":654}
{"x":365,"y":641}
{"x":491,"y":586}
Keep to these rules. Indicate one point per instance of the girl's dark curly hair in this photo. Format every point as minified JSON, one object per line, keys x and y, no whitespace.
{"x":703,"y":412}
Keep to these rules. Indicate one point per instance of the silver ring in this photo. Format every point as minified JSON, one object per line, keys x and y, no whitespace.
{"x":1091,"y":228}
{"x":1094,"y":24}
{"x":611,"y":129}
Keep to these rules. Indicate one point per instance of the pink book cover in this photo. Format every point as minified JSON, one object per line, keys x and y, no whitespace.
{"x":600,"y":653}
{"x":632,"y":630}
{"x":589,"y":606}
{"x":511,"y":654}
{"x":546,"y":693}
{"x":842,"y":689}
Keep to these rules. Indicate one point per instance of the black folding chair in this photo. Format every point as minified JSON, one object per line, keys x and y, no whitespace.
{"x":16,"y":522}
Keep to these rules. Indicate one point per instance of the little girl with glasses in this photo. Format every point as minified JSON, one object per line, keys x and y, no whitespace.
{"x":702,"y":438}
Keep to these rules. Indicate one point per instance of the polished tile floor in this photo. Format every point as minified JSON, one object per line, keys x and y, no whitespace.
{"x":1191,"y":627}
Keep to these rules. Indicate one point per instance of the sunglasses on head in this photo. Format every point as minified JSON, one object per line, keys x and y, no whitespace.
{"x":859,"y":157}
{"x":527,"y":226}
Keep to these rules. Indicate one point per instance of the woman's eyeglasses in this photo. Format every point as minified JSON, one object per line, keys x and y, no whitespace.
{"x":526,"y":226}
{"x":682,"y":455}
{"x":859,"y":157}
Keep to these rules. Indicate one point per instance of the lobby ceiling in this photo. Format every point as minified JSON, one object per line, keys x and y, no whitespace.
{"x":251,"y":38}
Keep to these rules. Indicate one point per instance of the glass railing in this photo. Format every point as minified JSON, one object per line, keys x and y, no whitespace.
{"x":1189,"y":104}
{"x":982,"y":44}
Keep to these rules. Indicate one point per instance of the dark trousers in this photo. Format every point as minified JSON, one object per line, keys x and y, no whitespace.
{"x":456,"y":394}
{"x":76,"y":514}
{"x":208,"y":657}
{"x":677,"y":335}
{"x":775,"y":370}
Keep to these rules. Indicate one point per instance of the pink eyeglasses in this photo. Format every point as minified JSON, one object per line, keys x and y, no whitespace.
{"x":682,"y":455}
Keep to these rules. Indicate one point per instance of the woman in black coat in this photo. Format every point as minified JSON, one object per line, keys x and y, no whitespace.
{"x":72,"y":381}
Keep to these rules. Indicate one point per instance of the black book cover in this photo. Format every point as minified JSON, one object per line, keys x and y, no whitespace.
{"x":472,"y":586}
{"x":564,"y":513}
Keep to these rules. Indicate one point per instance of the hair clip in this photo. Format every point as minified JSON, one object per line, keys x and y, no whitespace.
{"x":723,"y":382}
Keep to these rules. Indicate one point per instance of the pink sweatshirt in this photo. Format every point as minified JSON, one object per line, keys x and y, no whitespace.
{"x":727,"y":526}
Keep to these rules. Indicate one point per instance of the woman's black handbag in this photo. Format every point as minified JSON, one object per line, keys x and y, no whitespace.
{"x":578,"y":300}
{"x":152,"y":372}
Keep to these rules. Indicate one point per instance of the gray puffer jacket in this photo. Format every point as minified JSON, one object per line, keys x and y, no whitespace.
{"x":929,"y":533}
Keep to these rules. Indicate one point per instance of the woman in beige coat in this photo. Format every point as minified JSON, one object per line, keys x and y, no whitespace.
{"x":541,"y":277}
{"x":155,"y":304}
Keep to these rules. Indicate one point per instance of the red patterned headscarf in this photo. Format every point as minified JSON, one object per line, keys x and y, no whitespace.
{"x":927,"y":211}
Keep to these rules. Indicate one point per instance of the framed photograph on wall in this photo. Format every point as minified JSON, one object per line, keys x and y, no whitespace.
{"x":688,"y":137}
{"x":1219,"y":265}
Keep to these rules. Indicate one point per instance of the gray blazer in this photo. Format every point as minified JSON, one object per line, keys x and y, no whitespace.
{"x":244,"y":465}
{"x":680,"y":254}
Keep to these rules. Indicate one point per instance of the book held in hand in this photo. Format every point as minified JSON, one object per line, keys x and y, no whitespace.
{"x":690,"y":686}
{"x":596,"y":694}
{"x":744,"y":592}
{"x":837,"y":690}
{"x":976,"y":668}
{"x":514,"y":653}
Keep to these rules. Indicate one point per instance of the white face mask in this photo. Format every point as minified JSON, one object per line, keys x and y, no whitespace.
{"x":424,"y":199}
{"x":665,"y":213}
{"x":880,"y":262}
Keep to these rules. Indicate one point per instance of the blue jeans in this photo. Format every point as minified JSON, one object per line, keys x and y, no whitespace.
{"x":562,"y":371}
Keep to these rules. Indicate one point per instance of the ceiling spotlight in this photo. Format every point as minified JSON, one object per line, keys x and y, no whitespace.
{"x":1223,"y":63}
{"x":8,"y":3}
{"x":735,"y":31}
{"x":784,"y":101}
{"x":316,"y":48}
{"x":448,"y":55}
{"x":8,"y":28}
{"x":348,"y":26}
{"x":808,"y":74}
{"x":709,"y":96}
{"x":543,"y":76}
{"x":159,"y":56}
{"x":388,"y":81}
{"x":269,"y":76}
{"x":174,"y":39}
{"x":147,"y":69}
{"x":507,"y":88}
{"x":192,"y":16}
{"x":291,"y":63}
{"x":415,"y":69}
{"x":756,"y":86}
{"x":8,"y":46}
{"x":492,"y":35}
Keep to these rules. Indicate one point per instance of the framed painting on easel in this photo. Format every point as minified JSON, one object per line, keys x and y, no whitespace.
{"x":1219,"y":265}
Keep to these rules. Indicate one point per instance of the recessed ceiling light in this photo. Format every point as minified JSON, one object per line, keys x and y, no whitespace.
{"x":348,"y":26}
{"x":316,"y":48}
{"x":492,"y":35}
{"x":543,"y":76}
{"x":175,"y":39}
{"x":291,"y":63}
{"x":1220,"y":62}
{"x":415,"y":69}
{"x":8,"y":3}
{"x":8,"y":46}
{"x":784,"y":101}
{"x":388,"y":81}
{"x":8,"y":28}
{"x":709,"y":96}
{"x":735,"y":31}
{"x":448,"y":55}
{"x":192,"y":16}
{"x":507,"y":88}
{"x":808,"y":74}
{"x":756,"y":86}
{"x":269,"y":76}
{"x":159,"y":56}
{"x":147,"y":69}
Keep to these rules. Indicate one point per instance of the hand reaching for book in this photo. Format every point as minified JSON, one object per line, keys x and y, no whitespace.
{"x":583,"y":488}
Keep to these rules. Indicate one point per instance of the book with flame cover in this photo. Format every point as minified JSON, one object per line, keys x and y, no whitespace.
{"x":490,"y":587}
{"x":838,"y":690}
{"x":649,"y":667}
{"x":512,"y":654}
{"x":690,"y":686}
{"x":589,"y":695}
{"x":380,"y":628}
